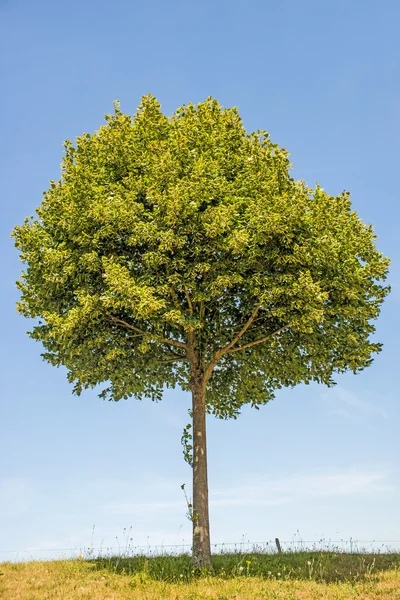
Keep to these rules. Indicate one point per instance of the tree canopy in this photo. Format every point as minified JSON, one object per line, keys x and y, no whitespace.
{"x":165,"y":229}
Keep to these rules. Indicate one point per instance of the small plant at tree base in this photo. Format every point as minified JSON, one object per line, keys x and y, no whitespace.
{"x":179,"y":252}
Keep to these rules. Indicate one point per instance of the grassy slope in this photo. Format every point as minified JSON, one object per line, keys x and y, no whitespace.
{"x":83,"y":580}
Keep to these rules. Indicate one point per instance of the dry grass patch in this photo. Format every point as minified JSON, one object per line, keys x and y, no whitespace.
{"x":80,"y":580}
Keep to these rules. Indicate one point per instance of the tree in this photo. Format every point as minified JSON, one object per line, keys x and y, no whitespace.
{"x":179,"y":252}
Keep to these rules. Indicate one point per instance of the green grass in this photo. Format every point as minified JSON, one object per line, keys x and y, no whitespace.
{"x":328,"y":567}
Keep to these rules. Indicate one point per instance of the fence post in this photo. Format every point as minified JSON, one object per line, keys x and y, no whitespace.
{"x":278,"y":545}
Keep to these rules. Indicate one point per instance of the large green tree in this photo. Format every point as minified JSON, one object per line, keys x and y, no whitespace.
{"x":179,"y":251}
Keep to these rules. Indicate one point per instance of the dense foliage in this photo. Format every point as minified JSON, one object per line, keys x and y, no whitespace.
{"x":165,"y":234}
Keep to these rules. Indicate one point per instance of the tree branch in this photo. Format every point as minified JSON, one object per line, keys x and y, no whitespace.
{"x":260,"y":341}
{"x":169,"y":360}
{"x":174,"y":298}
{"x":142,"y":332}
{"x":217,"y":355}
{"x":175,"y":343}
{"x":237,"y":337}
{"x":175,"y":355}
{"x":128,"y":325}
{"x":189,"y":301}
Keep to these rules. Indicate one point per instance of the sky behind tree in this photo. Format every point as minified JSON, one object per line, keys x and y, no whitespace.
{"x":324,"y":80}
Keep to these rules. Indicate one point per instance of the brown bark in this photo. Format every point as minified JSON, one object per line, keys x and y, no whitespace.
{"x":201,"y":523}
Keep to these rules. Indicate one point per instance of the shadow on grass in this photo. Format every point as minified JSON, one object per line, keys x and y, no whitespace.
{"x":328,"y":567}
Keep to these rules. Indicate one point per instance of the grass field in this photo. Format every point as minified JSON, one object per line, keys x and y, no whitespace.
{"x":301,"y":576}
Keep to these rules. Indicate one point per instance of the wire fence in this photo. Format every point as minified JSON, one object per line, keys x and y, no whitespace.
{"x":242,"y":547}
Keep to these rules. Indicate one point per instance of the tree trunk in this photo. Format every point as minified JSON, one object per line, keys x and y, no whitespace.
{"x":201,"y":522}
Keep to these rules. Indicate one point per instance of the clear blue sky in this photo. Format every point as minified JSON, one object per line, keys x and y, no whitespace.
{"x":324,"y":79}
